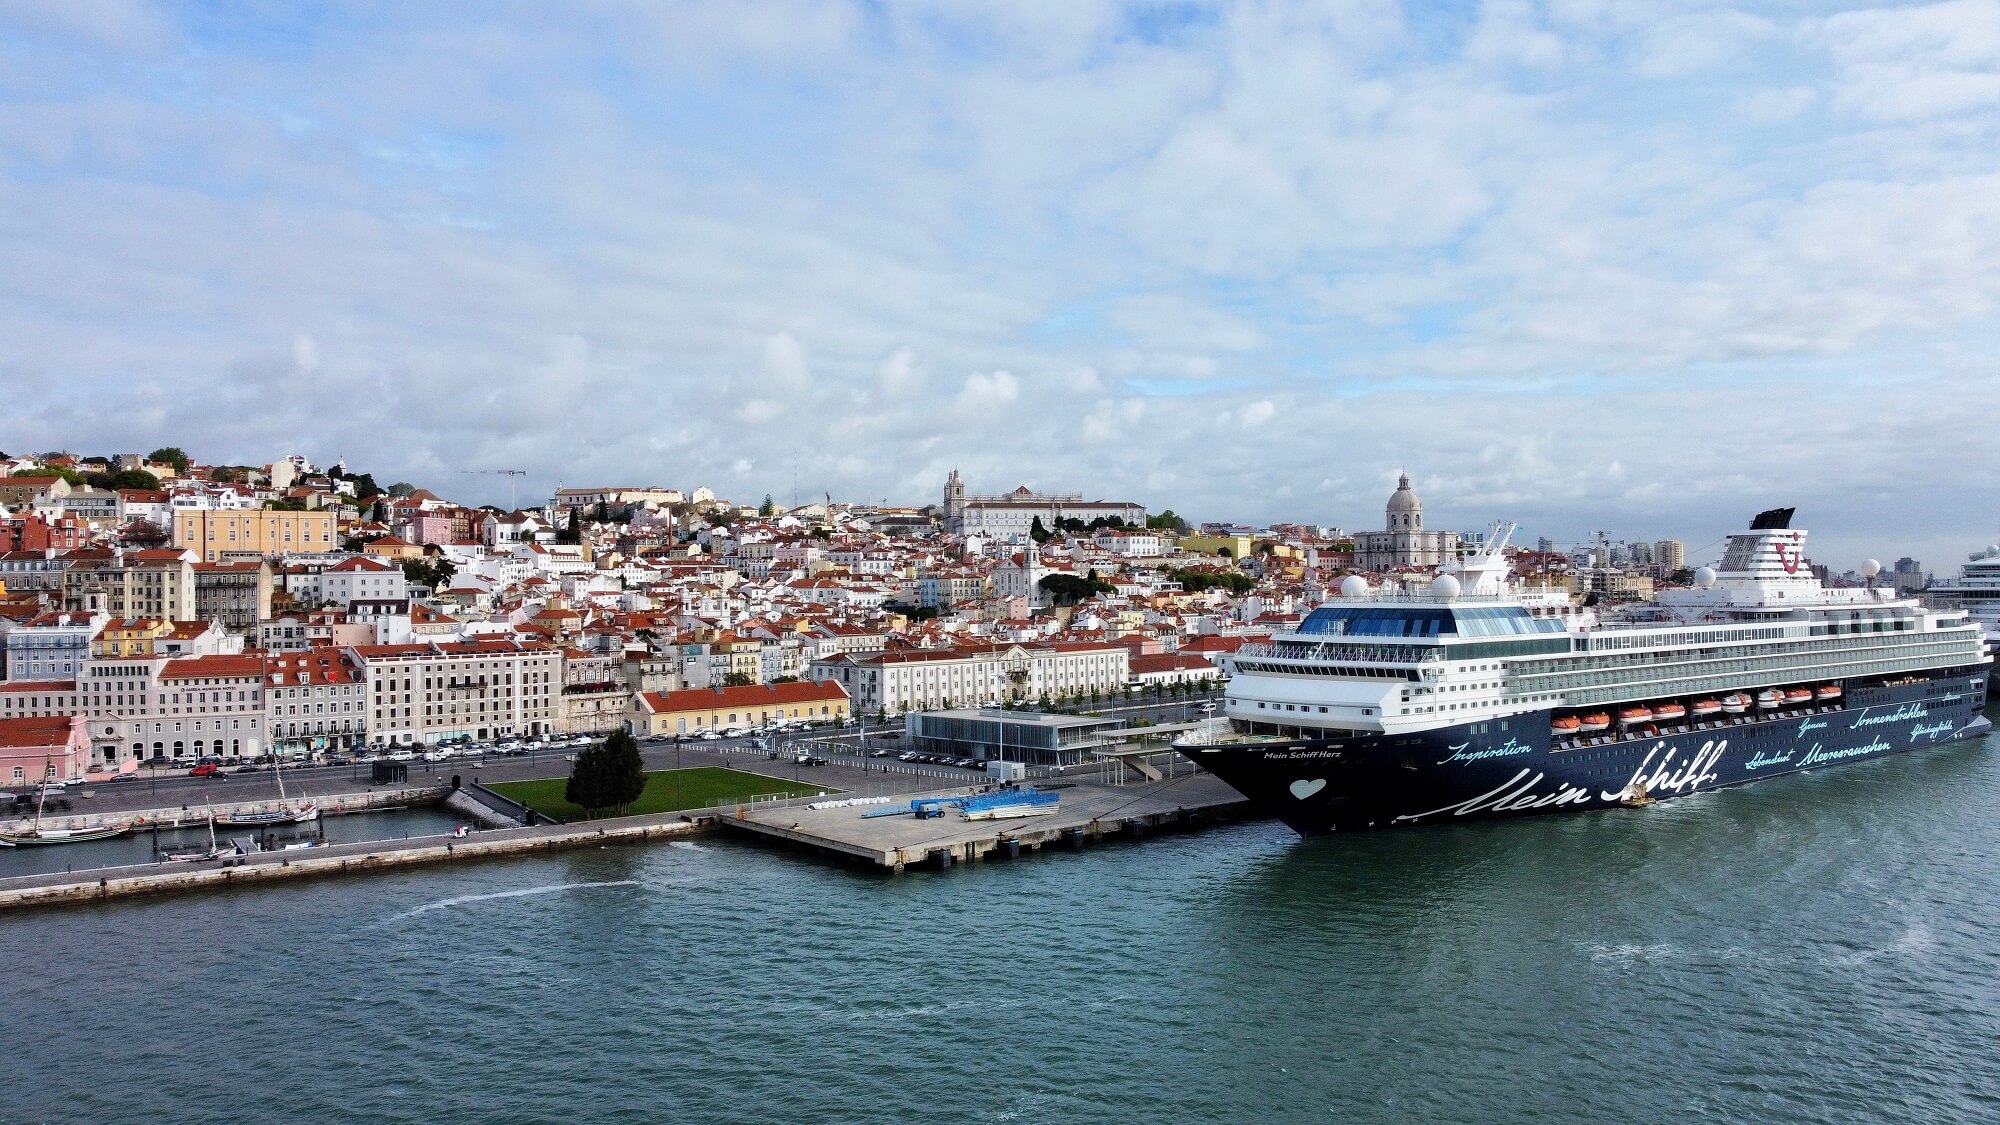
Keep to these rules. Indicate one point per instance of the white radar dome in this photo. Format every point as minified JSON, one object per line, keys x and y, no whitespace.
{"x":1704,"y":576}
{"x":1871,"y":568}
{"x":1354,"y":586}
{"x":1444,"y":586}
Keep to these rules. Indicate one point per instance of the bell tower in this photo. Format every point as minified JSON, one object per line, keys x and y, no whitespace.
{"x":954,"y":501}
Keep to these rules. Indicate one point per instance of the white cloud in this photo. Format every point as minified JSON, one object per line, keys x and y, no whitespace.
{"x":900,"y":375}
{"x":758,"y":411}
{"x":1480,"y":250}
{"x":987,"y":391}
{"x":785,"y":362}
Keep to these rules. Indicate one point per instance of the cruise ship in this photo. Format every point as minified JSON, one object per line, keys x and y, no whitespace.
{"x":1471,"y":699}
{"x":1976,"y":590}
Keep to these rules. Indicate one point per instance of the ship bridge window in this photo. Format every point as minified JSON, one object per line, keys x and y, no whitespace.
{"x":1399,"y":622}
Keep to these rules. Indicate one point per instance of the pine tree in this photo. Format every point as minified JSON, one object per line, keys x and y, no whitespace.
{"x":624,"y":769}
{"x":588,"y":787}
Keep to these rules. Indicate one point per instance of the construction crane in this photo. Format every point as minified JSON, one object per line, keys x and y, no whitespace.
{"x":512,"y":476}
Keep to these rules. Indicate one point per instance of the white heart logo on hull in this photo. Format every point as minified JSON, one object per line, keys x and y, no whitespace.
{"x":1304,"y":789}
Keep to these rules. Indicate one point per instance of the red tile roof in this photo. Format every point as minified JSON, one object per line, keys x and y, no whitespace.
{"x":749,"y":695}
{"x":213,"y":667}
{"x":36,"y":731}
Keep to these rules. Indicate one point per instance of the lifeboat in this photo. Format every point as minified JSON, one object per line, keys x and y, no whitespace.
{"x":1670,"y":712}
{"x":1594,"y":722}
{"x":1735,"y":703}
{"x":1827,"y":692}
{"x":1770,"y":698}
{"x":1566,"y":724}
{"x":1797,"y":696}
{"x":1631,"y":716}
{"x":1703,"y":708}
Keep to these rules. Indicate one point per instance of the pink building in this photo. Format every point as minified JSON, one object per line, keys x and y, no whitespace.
{"x":38,"y":748}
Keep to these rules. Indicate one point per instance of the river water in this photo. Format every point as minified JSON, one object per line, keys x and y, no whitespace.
{"x":1815,"y":949}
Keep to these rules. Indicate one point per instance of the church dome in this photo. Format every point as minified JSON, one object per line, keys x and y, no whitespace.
{"x":1403,"y":500}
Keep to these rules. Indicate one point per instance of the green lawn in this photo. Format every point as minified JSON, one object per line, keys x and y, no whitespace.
{"x":666,"y":790}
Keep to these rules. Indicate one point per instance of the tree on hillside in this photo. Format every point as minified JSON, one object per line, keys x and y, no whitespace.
{"x":737,"y":679}
{"x":768,"y":508}
{"x":434,"y":573}
{"x":128,"y":478}
{"x":170,"y":455}
{"x":401,"y":489}
{"x":1068,"y":589}
{"x":1167,"y":521}
{"x":1037,"y":532}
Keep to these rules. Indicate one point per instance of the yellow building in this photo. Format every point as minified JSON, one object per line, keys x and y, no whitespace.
{"x":129,"y":638}
{"x":392,"y":548}
{"x":1229,"y":546}
{"x":252,"y":531}
{"x":745,"y":655}
{"x":660,"y":713}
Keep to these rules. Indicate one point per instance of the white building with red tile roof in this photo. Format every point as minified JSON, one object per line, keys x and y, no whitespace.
{"x":422,"y":693}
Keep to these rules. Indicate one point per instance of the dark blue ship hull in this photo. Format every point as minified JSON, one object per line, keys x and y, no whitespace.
{"x":1513,"y":767}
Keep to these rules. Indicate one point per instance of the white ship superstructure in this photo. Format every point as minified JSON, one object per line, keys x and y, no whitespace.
{"x":1758,"y":652}
{"x":1976,"y":590}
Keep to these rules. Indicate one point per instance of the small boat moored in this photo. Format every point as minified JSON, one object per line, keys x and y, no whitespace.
{"x":1595,"y":723}
{"x":1670,"y":712}
{"x":1632,"y":716}
{"x":36,"y":837}
{"x":1770,"y":699}
{"x":1827,"y":693}
{"x":1797,"y":696}
{"x":1704,"y":708}
{"x":1735,"y":703}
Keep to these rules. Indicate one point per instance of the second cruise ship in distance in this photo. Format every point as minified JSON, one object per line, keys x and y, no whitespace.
{"x":1475,"y":700}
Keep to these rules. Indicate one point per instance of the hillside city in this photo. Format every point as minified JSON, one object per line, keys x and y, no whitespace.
{"x":156,"y":610}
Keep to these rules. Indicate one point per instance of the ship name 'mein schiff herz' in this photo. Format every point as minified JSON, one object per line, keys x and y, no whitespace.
{"x":1471,"y":700}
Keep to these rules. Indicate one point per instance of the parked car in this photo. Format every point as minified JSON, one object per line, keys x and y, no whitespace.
{"x":878,"y":753}
{"x":206,"y":769}
{"x":810,"y":760}
{"x":402,"y":755}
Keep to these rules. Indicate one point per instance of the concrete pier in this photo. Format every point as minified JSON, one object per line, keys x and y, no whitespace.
{"x":1088,"y":812}
{"x":72,"y":888}
{"x":194,"y":816}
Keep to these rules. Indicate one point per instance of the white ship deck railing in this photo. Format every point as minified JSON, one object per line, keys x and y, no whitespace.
{"x":1323,"y":653}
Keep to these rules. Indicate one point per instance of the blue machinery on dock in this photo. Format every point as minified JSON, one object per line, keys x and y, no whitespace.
{"x":1010,"y":801}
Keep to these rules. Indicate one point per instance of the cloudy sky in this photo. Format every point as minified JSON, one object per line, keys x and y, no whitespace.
{"x":1586,"y":264}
